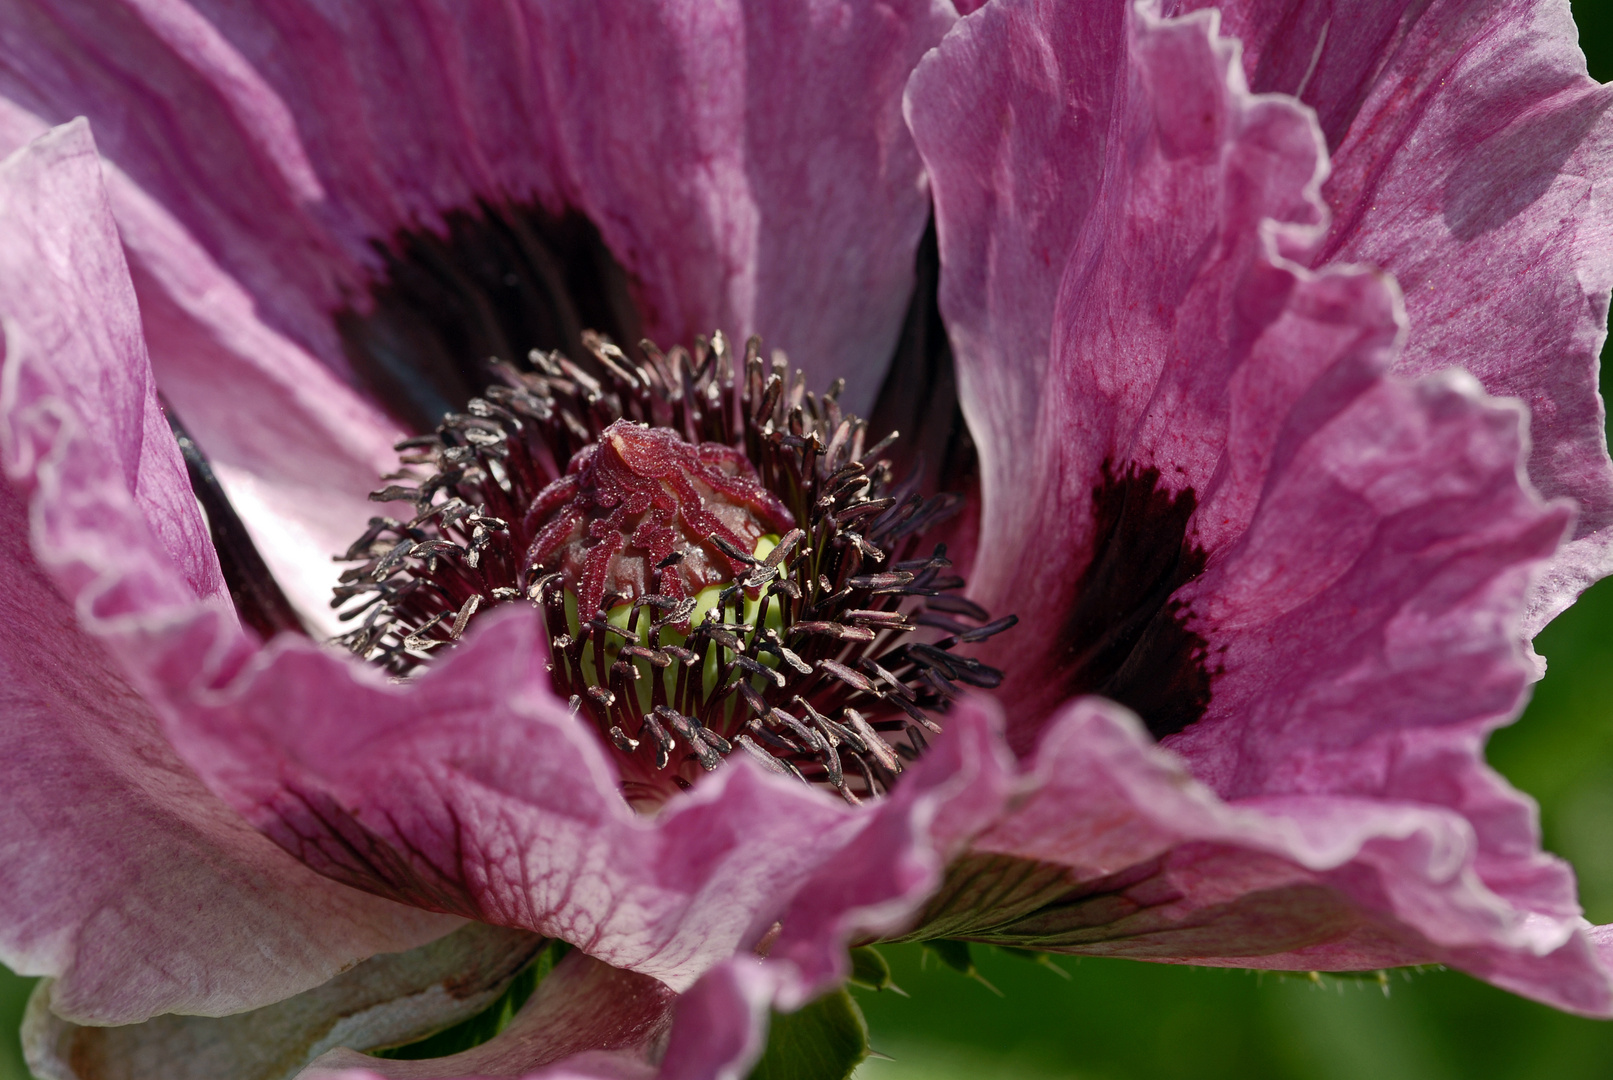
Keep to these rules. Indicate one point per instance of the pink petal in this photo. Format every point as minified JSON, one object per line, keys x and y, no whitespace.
{"x":1349,"y":642}
{"x":384,"y":1001}
{"x":1156,"y":866}
{"x":589,"y":1021}
{"x":874,"y":885}
{"x":129,"y":881}
{"x":78,"y":369}
{"x":1012,"y":132}
{"x":720,"y":1028}
{"x":474,"y":791}
{"x":734,"y":190}
{"x":1469,"y":147}
{"x":1367,"y":652}
{"x":763,"y":149}
{"x":1240,"y":525}
{"x":586,"y":1019}
{"x":296,"y":448}
{"x":1155,"y":379}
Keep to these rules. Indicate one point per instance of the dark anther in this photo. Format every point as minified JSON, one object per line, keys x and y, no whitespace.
{"x":258,"y":598}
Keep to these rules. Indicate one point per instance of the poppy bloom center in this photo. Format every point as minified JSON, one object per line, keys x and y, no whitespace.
{"x":722,"y":565}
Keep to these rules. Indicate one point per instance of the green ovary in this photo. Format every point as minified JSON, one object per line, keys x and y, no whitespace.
{"x":622,"y":616}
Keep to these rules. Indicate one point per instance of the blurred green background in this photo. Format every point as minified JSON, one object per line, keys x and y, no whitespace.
{"x":1120,"y":1020}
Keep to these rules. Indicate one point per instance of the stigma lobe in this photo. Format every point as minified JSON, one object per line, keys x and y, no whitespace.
{"x":645,"y":511}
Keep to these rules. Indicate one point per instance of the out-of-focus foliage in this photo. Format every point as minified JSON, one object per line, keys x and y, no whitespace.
{"x":13,"y":996}
{"x":1121,"y":1020}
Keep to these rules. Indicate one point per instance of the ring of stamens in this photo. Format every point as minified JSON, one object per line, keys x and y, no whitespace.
{"x":826,"y":654}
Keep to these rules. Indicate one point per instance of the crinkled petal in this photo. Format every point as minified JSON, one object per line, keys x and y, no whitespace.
{"x":1128,"y":398}
{"x":297,"y":449}
{"x":75,"y":360}
{"x":876,"y":882}
{"x":288,"y":139}
{"x":1110,"y":847}
{"x":599,"y":1023}
{"x":127,"y":880}
{"x":1244,"y":526}
{"x":387,"y":1000}
{"x":1470,"y":156}
{"x":589,"y":1021}
{"x":873,"y":885}
{"x":1010,"y":114}
{"x":475,"y":791}
{"x":1346,"y":640}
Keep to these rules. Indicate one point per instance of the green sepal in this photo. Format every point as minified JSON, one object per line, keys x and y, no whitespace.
{"x":955,"y":955}
{"x":825,"y":1040}
{"x":1037,"y":957}
{"x":870,"y":971}
{"x":487,"y":1023}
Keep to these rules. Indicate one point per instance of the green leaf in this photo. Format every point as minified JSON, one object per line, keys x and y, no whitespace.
{"x":870,"y":971}
{"x":487,"y":1023}
{"x":826,"y":1040}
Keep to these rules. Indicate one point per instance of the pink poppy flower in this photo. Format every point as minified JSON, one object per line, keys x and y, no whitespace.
{"x":1275,"y":550}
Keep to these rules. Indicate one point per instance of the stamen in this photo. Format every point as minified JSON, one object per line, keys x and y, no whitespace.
{"x":719,"y":565}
